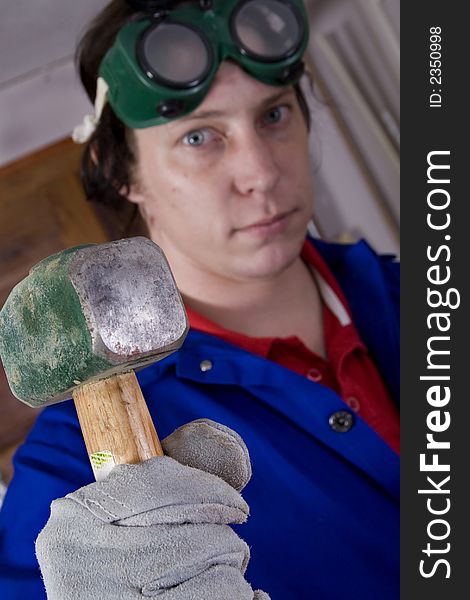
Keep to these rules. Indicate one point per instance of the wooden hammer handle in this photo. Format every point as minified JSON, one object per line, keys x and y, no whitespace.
{"x":116,"y":424}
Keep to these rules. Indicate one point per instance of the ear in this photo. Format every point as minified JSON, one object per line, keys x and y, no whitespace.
{"x":136,"y":195}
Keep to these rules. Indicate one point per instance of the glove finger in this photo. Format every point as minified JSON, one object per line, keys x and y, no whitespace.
{"x":179,"y":554}
{"x":219,"y":582}
{"x":260,"y":595}
{"x":75,"y":550}
{"x":161,"y":490}
{"x":211,"y":447}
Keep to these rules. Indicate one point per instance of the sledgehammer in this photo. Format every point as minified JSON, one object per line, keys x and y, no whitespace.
{"x":78,"y":325}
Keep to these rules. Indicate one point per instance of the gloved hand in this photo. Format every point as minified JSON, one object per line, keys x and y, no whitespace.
{"x":156,"y":529}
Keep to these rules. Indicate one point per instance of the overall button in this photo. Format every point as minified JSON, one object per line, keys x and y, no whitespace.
{"x":341,"y":421}
{"x":353,"y":403}
{"x":205,"y":365}
{"x":314,"y":374}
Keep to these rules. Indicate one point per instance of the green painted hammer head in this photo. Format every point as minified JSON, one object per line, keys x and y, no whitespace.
{"x":88,"y":313}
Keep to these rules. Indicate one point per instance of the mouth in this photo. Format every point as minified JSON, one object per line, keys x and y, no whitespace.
{"x":273,"y":224}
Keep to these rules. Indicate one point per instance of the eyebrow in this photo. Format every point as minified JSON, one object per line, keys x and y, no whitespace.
{"x":219,"y":113}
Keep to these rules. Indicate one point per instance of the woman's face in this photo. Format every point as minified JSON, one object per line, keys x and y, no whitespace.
{"x":228,"y":188}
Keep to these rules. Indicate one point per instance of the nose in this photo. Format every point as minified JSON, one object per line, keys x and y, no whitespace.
{"x":253,"y":165}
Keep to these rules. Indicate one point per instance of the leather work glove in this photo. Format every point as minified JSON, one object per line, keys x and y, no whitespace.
{"x":157,"y":529}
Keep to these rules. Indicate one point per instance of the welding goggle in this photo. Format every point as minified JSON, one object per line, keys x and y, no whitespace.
{"x":161,"y":67}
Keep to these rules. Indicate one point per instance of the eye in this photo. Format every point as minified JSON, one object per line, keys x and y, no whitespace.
{"x":275,"y":115}
{"x":198,"y":137}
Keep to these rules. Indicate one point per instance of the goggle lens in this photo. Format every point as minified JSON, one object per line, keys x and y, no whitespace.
{"x":175,"y":54}
{"x":267,"y":29}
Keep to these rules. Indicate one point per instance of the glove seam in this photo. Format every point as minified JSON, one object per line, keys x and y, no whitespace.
{"x":89,"y":501}
{"x":242,"y":514}
{"x":113,"y":499}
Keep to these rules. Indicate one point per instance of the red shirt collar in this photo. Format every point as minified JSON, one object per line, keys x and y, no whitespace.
{"x":263,"y":345}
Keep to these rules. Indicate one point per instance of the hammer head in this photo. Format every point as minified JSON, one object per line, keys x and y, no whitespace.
{"x":88,"y":313}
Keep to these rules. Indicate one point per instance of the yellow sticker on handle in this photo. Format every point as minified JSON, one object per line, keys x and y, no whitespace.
{"x":102,"y":464}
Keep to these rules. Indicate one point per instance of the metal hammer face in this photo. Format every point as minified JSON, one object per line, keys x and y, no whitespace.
{"x":87,"y":313}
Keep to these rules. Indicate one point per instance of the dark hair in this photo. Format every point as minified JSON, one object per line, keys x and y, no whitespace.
{"x":108,"y":158}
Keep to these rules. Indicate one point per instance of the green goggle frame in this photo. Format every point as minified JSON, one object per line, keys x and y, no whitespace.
{"x":138,"y":67}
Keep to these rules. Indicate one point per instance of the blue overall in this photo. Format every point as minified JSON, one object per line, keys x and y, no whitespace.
{"x":324,"y":521}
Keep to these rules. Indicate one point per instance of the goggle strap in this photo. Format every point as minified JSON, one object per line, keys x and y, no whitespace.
{"x":83,"y":132}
